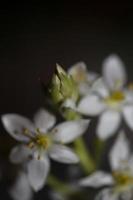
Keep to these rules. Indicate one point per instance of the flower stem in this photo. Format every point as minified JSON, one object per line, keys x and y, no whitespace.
{"x":60,"y":186}
{"x":99,"y":148}
{"x":85,"y":157}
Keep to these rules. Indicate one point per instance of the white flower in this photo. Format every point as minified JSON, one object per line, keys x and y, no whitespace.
{"x":39,"y":141}
{"x":21,"y":189}
{"x":82,"y":77}
{"x":109,"y":99}
{"x":56,"y":196}
{"x":120,"y":180}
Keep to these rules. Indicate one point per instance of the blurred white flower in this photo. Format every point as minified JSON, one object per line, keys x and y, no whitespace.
{"x":82,"y":77}
{"x":109,"y":99}
{"x":39,"y":142}
{"x":120,"y":180}
{"x":56,"y":196}
{"x":21,"y":189}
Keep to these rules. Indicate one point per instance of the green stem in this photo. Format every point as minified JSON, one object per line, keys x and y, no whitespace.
{"x":99,"y":148}
{"x":60,"y":186}
{"x":84,"y":155}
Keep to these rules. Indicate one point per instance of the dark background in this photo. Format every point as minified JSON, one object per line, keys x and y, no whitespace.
{"x":33,"y":37}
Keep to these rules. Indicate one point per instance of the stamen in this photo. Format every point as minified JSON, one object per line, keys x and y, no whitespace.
{"x":122,"y":178}
{"x":115,"y":98}
{"x":31,"y":145}
{"x":27,"y":132}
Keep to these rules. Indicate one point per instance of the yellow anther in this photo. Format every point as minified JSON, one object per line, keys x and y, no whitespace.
{"x":115,"y":98}
{"x":42,"y":141}
{"x":31,"y":145}
{"x":122,"y":178}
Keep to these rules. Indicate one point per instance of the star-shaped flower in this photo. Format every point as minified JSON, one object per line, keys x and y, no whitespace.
{"x":120,"y":180}
{"x":39,"y":141}
{"x":82,"y":77}
{"x":109,"y":99}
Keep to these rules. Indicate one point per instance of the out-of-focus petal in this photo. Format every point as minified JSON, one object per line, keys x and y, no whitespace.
{"x":128,"y":115}
{"x":21,"y":190}
{"x":20,"y":154}
{"x":91,"y":105}
{"x":38,"y":172}
{"x":99,"y":87}
{"x":114,"y":72}
{"x":108,"y":123}
{"x":97,"y":179}
{"x":119,"y":153}
{"x":107,"y":194}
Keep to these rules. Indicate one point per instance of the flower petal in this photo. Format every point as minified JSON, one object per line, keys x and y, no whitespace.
{"x":97,"y":179}
{"x":91,"y":105}
{"x":119,"y":152}
{"x":100,"y":88}
{"x":114,"y":72}
{"x":107,"y":194}
{"x":20,"y":154}
{"x":63,"y":154}
{"x":21,"y":190}
{"x":108,"y":123}
{"x":76,"y":70}
{"x":37,"y":173}
{"x":15,"y":125}
{"x":67,"y":132}
{"x":128,"y":115}
{"x":44,"y":120}
{"x":91,"y":76}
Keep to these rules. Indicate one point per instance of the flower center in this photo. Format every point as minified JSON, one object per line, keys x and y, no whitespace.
{"x":115,"y":98}
{"x":42,"y":141}
{"x":122,"y":178}
{"x":39,"y":140}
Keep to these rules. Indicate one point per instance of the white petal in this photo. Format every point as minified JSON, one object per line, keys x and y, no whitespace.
{"x":21,"y":190}
{"x":114,"y":72}
{"x":69,"y":103}
{"x":108,"y":123}
{"x":44,"y":120}
{"x":84,"y":88}
{"x":76,"y":69}
{"x":100,"y":88}
{"x":37,"y":173}
{"x":119,"y":152}
{"x":91,"y":105}
{"x":91,"y":76}
{"x":97,"y":179}
{"x":67,"y":132}
{"x":107,"y":194}
{"x":20,"y":154}
{"x":63,"y":154}
{"x":56,"y":196}
{"x":128,"y":115}
{"x":15,"y":125}
{"x":130,"y":163}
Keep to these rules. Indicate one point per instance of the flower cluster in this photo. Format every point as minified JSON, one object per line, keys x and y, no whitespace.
{"x":77,"y":96}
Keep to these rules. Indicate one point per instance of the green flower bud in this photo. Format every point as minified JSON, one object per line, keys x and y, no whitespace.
{"x":70,"y":114}
{"x":63,"y":86}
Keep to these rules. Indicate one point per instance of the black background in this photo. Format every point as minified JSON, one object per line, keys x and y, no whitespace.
{"x":35,"y":36}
